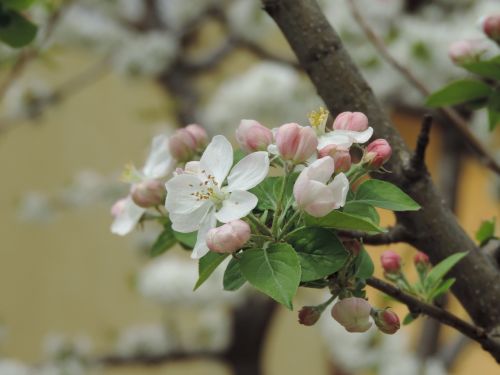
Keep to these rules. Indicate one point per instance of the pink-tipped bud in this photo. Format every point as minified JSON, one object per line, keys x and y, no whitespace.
{"x":252,"y":136}
{"x":353,"y":314}
{"x":466,"y":51}
{"x":391,"y":261}
{"x":309,"y":315}
{"x":228,"y":237}
{"x":491,"y":27}
{"x":199,"y":135}
{"x":184,"y":143}
{"x":148,"y":193}
{"x":377,"y":153}
{"x":421,"y":261}
{"x":354,"y":121}
{"x":340,"y":156}
{"x":296,"y":143}
{"x":118,"y":207}
{"x":386,"y":320}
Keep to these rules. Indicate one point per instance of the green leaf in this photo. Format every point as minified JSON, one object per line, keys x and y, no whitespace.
{"x":165,"y":241}
{"x":459,"y":92}
{"x":385,"y":195}
{"x":410,"y":317}
{"x":341,"y":220}
{"x":486,"y":231}
{"x":364,"y":265}
{"x":233,"y":278}
{"x":15,"y":30}
{"x":274,"y":271}
{"x":493,"y":118}
{"x":442,"y":288}
{"x":187,"y":240}
{"x":363,"y":210}
{"x":17,"y":4}
{"x":442,"y":268}
{"x":486,"y":69}
{"x":320,"y":252}
{"x":207,"y":265}
{"x":265,"y":193}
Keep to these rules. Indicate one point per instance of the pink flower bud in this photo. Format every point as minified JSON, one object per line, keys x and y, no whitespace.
{"x":491,"y":27}
{"x":148,"y":193}
{"x":228,"y":237}
{"x":199,"y":135}
{"x":377,"y":153}
{"x":354,"y":121}
{"x":466,"y":51}
{"x":186,"y":141}
{"x":296,"y":143}
{"x":309,"y":315}
{"x":118,"y":207}
{"x":391,"y":261}
{"x":340,"y":156}
{"x":252,"y":136}
{"x":421,"y":258}
{"x":386,"y":320}
{"x":353,"y":314}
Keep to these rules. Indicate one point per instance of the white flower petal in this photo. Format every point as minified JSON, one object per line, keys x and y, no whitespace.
{"x":190,"y":222}
{"x":321,"y":170}
{"x":159,"y":163}
{"x":239,"y":204}
{"x":249,"y":172}
{"x":273,"y":149}
{"x":128,"y":218}
{"x":334,"y":138}
{"x":357,"y":137}
{"x":180,"y":194}
{"x":218,"y":158}
{"x":201,"y":247}
{"x":339,"y":187}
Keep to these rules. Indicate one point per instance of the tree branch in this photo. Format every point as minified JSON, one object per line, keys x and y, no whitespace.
{"x":419,"y":307}
{"x":395,"y":234}
{"x":434,"y":228}
{"x":456,"y":120}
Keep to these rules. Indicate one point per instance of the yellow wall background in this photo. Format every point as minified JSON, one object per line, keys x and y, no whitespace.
{"x":71,"y":275}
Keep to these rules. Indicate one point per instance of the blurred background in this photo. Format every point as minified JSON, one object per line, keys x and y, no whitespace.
{"x":104,"y":77}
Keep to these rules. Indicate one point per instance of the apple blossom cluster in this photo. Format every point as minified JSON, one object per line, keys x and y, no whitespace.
{"x":273,"y":208}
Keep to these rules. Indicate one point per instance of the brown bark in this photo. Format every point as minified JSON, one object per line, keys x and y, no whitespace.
{"x":435,"y":229}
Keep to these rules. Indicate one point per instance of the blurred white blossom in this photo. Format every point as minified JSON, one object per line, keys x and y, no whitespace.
{"x":145,"y":340}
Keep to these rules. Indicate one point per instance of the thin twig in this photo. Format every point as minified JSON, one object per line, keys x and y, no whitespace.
{"x":71,"y":86}
{"x":455,"y":118}
{"x":395,"y":234}
{"x":417,"y":306}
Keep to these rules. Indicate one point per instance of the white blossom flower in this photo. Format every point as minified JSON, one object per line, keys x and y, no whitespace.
{"x":159,"y":165}
{"x":145,"y":340}
{"x":198,"y":199}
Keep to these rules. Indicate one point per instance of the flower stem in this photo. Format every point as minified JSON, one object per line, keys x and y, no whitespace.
{"x":265,"y":230}
{"x":289,"y":224}
{"x":279,"y":204}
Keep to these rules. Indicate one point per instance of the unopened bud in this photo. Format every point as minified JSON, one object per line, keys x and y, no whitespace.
{"x":340,"y":156}
{"x":296,"y":143}
{"x":466,"y":51}
{"x":421,"y":261}
{"x":353,"y":314}
{"x":386,"y":320}
{"x":377,"y":153}
{"x":148,"y":193}
{"x":228,"y":237}
{"x":354,"y":121}
{"x":309,"y":315}
{"x":252,"y":136}
{"x":184,"y":143}
{"x":491,"y":27}
{"x":391,"y":262}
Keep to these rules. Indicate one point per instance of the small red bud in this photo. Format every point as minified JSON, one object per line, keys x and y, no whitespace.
{"x":391,"y":261}
{"x":386,"y":320}
{"x":309,"y":315}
